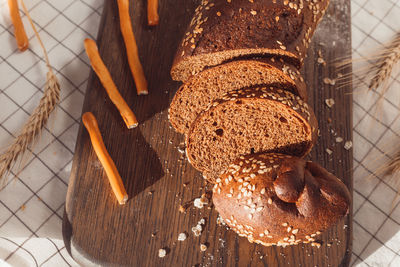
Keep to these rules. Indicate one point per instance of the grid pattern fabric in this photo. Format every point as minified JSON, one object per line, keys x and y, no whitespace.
{"x":31,"y":206}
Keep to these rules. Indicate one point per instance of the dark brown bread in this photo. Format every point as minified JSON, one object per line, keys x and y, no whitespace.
{"x":246,"y":121}
{"x":222,"y":30}
{"x":200,"y":90}
{"x":275,"y":199}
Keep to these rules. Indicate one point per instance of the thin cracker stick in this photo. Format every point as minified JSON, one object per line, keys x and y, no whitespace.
{"x":152,"y":12}
{"x":19,"y":30}
{"x":106,"y":161}
{"x":131,"y":48}
{"x":105,"y":78}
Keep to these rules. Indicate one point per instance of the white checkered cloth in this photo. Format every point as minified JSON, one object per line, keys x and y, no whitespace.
{"x":31,"y":206}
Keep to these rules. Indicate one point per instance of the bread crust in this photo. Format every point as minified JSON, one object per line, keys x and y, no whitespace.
{"x":221,"y":30}
{"x":276,"y":199}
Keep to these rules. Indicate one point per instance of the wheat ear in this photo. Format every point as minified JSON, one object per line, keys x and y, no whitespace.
{"x":389,"y":59}
{"x":38,"y":118}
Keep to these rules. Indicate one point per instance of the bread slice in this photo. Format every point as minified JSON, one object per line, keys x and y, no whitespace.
{"x":275,"y":199}
{"x":247,"y":121}
{"x":210,"y":84}
{"x":222,"y":30}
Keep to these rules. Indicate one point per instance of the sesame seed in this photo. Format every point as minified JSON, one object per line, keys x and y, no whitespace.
{"x":269,"y":201}
{"x":284,"y":224}
{"x":295,"y":231}
{"x":250,"y":216}
{"x":289,"y":229}
{"x":262,"y":192}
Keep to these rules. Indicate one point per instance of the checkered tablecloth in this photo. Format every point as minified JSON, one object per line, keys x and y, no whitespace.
{"x":31,"y":206}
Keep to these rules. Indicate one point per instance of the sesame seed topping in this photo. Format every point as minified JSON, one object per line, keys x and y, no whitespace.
{"x":284,"y":224}
{"x":269,"y":201}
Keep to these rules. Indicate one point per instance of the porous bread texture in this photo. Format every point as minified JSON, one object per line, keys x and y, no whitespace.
{"x":222,"y":30}
{"x":276,"y":199}
{"x":246,"y":121}
{"x":200,"y":90}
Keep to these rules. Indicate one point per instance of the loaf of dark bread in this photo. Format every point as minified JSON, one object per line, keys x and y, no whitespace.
{"x":200,"y":90}
{"x":250,"y":120}
{"x":275,"y":199}
{"x":222,"y":30}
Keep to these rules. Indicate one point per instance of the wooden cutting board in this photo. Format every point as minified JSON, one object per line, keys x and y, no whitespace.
{"x":157,"y":176}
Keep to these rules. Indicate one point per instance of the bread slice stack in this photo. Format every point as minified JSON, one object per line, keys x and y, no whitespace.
{"x":243,"y":109}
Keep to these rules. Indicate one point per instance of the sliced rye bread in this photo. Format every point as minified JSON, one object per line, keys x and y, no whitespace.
{"x":275,"y":199}
{"x":247,"y":121}
{"x":200,"y":90}
{"x":222,"y":30}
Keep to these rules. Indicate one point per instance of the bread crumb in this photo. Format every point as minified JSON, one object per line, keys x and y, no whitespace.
{"x":329,"y":151}
{"x":203,"y":247}
{"x":201,"y":201}
{"x":330,"y":102}
{"x":348,"y":145}
{"x":218,"y":14}
{"x":253,"y":12}
{"x":199,"y":227}
{"x":339,"y":139}
{"x":23,"y":207}
{"x":182,"y":209}
{"x":330,"y":81}
{"x":316,"y":244}
{"x":182,"y":237}
{"x":162,"y":252}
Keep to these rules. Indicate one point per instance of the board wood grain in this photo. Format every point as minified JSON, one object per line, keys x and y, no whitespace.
{"x":158,"y":178}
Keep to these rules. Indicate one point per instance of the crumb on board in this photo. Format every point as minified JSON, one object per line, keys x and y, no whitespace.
{"x":330,"y":102}
{"x":201,"y":201}
{"x":182,"y":209}
{"x":328,"y":151}
{"x":329,"y":81}
{"x":203,"y":247}
{"x":182,"y":237}
{"x":162,"y":252}
{"x":348,"y":145}
{"x":339,"y":139}
{"x":199,"y":227}
{"x":316,"y":244}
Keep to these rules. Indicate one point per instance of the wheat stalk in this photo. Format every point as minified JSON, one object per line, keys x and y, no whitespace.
{"x":385,"y":66}
{"x":38,"y":118}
